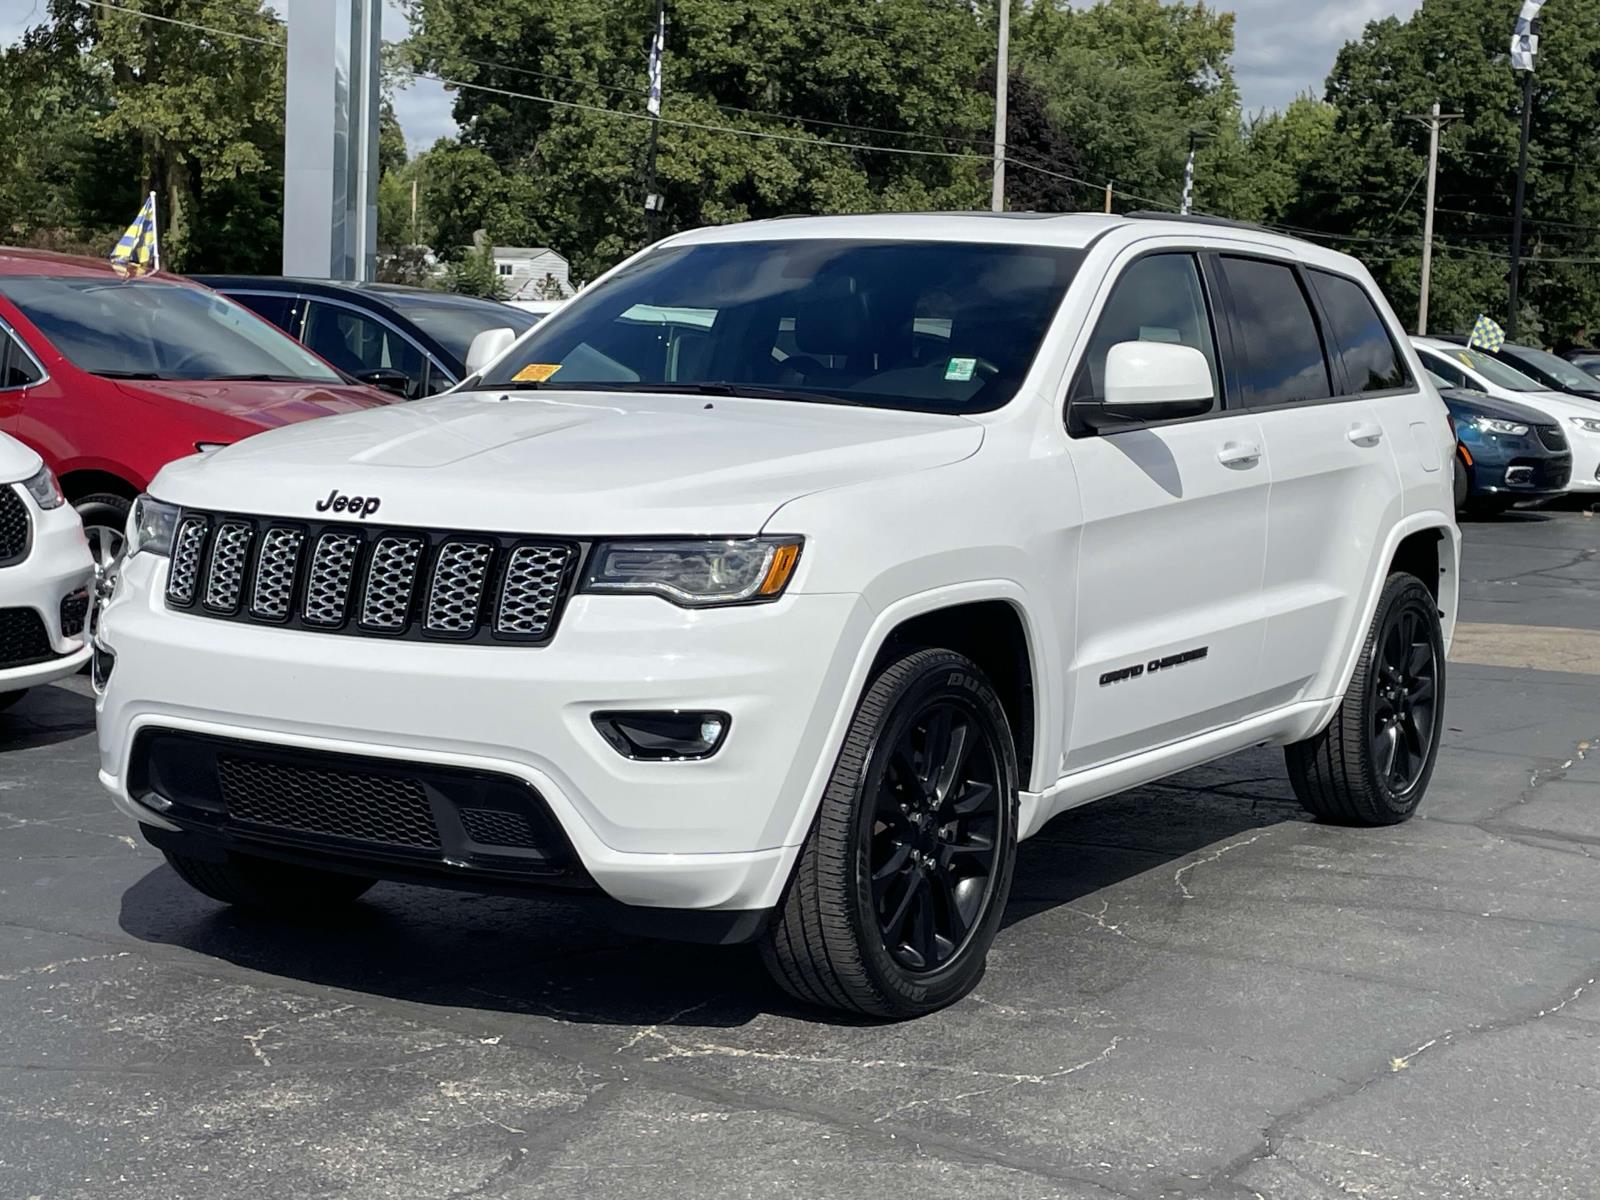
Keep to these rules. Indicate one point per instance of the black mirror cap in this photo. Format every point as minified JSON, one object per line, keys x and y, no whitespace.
{"x":388,"y":379}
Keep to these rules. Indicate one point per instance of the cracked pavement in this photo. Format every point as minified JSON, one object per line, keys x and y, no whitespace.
{"x":1198,"y":992}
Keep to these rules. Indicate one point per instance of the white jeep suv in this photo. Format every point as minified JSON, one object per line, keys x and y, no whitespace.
{"x":783,"y":581}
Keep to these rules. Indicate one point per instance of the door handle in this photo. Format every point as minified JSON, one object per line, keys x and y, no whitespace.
{"x":1365,"y":433}
{"x":1239,"y":454}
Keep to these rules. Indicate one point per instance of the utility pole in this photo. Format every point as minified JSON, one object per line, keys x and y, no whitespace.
{"x":1109,"y":193}
{"x":1434,"y":121}
{"x":1522,"y":195}
{"x":1002,"y":83}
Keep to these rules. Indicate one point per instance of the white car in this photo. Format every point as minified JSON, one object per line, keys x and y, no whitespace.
{"x":1577,"y":420}
{"x":794,"y":574}
{"x":46,"y":576}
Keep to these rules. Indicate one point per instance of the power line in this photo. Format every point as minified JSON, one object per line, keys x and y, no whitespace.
{"x":231,"y":33}
{"x":624,"y":114}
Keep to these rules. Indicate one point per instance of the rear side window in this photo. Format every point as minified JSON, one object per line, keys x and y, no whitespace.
{"x":17,"y":369}
{"x":1372,"y":362}
{"x":1281,"y":349}
{"x":277,"y":308}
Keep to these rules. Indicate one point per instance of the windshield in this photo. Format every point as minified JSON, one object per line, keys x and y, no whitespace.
{"x":149,"y":329}
{"x":931,"y":326}
{"x":1492,"y":369}
{"x":1559,"y":369}
{"x":454,"y":323}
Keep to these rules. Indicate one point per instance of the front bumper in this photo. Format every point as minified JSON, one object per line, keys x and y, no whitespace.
{"x":54,"y":582}
{"x":712,"y":834}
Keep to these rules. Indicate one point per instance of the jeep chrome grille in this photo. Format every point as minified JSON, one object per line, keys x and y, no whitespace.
{"x":333,"y":566}
{"x":391,"y":583}
{"x":225,"y":579}
{"x":344,"y":578}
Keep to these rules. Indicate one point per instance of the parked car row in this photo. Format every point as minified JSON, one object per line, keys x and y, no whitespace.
{"x":110,"y":378}
{"x":1527,"y":423}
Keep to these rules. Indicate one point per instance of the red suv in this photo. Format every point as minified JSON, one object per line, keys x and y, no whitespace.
{"x":110,"y":378}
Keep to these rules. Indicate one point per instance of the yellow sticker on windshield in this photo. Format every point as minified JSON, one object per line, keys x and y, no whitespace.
{"x":1466,"y":359}
{"x":536,"y":372}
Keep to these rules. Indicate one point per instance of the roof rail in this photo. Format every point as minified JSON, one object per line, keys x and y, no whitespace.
{"x":1195,"y":219}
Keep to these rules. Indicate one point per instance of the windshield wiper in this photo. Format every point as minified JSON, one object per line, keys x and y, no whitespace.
{"x":735,"y":390}
{"x":129,"y":375}
{"x":257,"y":378}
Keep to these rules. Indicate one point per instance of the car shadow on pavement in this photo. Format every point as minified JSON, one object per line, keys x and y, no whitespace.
{"x":557,"y":958}
{"x":46,"y":716}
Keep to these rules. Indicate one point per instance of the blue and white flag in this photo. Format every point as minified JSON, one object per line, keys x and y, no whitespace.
{"x":1525,"y":36}
{"x":658,"y":46}
{"x":1188,"y":186}
{"x":139,"y":250}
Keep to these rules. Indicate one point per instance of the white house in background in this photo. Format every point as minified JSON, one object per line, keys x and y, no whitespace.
{"x":522,"y":267}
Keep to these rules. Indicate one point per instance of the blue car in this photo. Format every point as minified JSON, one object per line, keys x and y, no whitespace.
{"x":1505,"y":453}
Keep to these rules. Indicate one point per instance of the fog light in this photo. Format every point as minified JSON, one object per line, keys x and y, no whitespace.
{"x":1519,"y":476}
{"x":674,"y":736}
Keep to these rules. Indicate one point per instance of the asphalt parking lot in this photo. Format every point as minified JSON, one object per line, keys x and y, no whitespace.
{"x":1199,"y":992}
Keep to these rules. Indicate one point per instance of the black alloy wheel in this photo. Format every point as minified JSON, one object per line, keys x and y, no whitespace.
{"x":1405,"y":691}
{"x":902,"y":883}
{"x":933,"y":842}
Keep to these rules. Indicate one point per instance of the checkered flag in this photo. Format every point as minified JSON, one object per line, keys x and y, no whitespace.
{"x":1487,"y":335}
{"x":1525,"y":36}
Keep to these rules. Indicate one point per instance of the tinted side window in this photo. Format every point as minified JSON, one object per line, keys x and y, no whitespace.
{"x":1444,"y":370}
{"x":1157,"y":299}
{"x":356,"y":343}
{"x":1372,"y":363}
{"x":275,"y":308}
{"x":1282,"y":353}
{"x":16,"y":368}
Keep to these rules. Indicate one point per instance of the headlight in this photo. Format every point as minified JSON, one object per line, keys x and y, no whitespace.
{"x":1587,"y":424}
{"x":44,"y":489}
{"x":150,"y":527}
{"x":696,"y":574}
{"x":1510,"y":428}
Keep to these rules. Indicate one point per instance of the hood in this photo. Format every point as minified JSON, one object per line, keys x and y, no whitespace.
{"x":1557,"y":406}
{"x":579,"y":464}
{"x":1463,"y":404}
{"x":17,"y":462}
{"x":262,"y":403}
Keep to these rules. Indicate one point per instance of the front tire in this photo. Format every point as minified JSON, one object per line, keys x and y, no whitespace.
{"x":105,"y":522}
{"x":903,"y":881}
{"x":1371,"y":765}
{"x":1462,"y":484}
{"x":265,"y":886}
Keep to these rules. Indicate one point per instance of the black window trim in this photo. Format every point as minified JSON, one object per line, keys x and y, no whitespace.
{"x":1230,"y":403}
{"x":12,"y":342}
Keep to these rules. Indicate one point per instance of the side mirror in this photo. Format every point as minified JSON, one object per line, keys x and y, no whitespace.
{"x":488,"y":346}
{"x":1152,"y":381}
{"x":388,"y":379}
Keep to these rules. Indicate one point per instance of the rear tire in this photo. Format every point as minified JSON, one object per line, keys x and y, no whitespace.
{"x":265,"y":886}
{"x":1371,"y":765}
{"x":903,"y":880}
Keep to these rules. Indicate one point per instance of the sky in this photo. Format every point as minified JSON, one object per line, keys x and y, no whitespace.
{"x":1284,"y":48}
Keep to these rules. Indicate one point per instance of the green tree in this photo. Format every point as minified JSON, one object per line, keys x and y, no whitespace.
{"x":193,"y":115}
{"x":474,"y":274}
{"x":1365,"y":186}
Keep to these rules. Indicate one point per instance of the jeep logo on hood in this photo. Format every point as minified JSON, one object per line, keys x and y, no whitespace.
{"x":361,"y":506}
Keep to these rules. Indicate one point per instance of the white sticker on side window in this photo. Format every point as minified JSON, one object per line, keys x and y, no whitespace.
{"x":961,"y":370}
